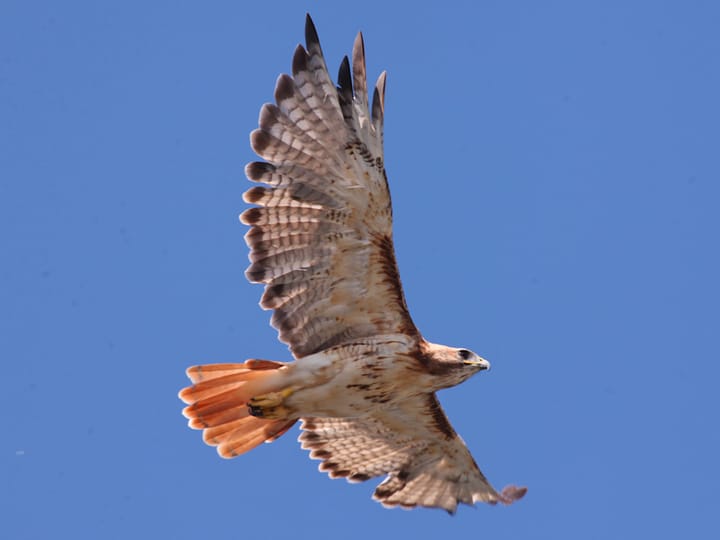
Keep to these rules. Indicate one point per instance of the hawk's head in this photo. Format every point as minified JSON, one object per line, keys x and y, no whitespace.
{"x":450,"y":366}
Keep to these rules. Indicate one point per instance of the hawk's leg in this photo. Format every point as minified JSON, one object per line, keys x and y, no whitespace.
{"x":270,"y":405}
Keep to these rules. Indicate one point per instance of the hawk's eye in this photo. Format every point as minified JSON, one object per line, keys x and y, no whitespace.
{"x":464,"y":354}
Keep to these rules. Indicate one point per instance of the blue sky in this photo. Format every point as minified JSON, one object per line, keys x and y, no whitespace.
{"x":555,"y":173}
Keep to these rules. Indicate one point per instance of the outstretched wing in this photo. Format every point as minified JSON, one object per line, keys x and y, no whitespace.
{"x":426,"y":462}
{"x":321,"y":236}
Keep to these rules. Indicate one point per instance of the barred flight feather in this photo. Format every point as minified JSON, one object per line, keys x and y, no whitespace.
{"x":324,"y":224}
{"x":402,"y":442}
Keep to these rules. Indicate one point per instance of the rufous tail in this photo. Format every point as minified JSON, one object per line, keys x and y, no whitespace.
{"x":217,"y":404}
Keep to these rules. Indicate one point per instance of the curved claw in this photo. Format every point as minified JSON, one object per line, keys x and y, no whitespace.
{"x":270,"y":405}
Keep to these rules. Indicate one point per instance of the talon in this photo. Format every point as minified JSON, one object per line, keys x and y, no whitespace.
{"x":270,"y":405}
{"x":254,"y":410}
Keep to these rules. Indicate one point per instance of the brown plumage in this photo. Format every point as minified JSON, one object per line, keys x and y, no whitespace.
{"x":320,"y":239}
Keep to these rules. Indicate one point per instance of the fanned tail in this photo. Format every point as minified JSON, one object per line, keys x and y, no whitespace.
{"x":217,"y":404}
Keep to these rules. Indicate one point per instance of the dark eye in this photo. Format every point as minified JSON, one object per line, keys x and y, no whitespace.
{"x":464,"y":354}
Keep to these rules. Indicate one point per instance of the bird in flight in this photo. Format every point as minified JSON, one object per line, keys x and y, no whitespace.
{"x":364,"y":379}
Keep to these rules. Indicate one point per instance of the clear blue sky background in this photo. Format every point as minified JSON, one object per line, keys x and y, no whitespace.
{"x":556,"y":176}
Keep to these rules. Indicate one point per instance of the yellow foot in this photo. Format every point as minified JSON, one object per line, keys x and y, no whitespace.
{"x":270,"y":405}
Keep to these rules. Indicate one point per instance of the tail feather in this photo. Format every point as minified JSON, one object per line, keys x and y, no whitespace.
{"x":218,"y":434}
{"x":251,"y":432}
{"x":205,"y":408}
{"x":217,"y":404}
{"x":202,"y":390}
{"x":212,"y":371}
{"x":220,"y":417}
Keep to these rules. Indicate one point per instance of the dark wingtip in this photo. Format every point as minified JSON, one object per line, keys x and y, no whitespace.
{"x":256,"y":170}
{"x":311,"y":35}
{"x":510,"y":494}
{"x":284,"y":88}
{"x":254,"y":194}
{"x":259,"y":141}
{"x":344,"y":78}
{"x":300,"y":60}
{"x":251,"y":216}
{"x":358,"y":477}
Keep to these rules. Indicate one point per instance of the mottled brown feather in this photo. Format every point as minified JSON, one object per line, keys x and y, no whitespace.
{"x":321,"y":236}
{"x":425,"y":461}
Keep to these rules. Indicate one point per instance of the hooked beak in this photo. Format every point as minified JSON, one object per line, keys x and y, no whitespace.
{"x":480,"y":364}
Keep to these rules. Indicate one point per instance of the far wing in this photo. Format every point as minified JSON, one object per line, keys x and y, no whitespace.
{"x":321,"y":236}
{"x":426,"y":462}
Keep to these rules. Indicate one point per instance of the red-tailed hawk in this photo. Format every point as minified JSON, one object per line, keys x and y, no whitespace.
{"x":364,"y":380}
